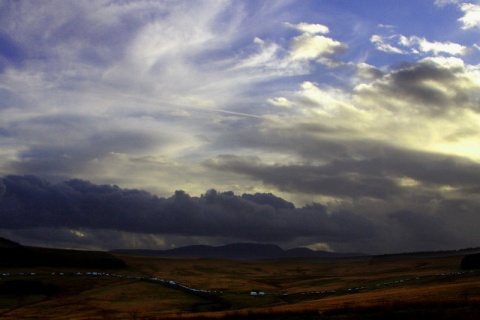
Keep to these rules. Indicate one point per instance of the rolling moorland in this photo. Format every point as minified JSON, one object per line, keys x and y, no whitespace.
{"x":39,"y":283}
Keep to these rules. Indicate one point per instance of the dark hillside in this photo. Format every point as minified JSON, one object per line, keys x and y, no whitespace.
{"x":5,"y":243}
{"x":45,"y":257}
{"x":471,"y":261}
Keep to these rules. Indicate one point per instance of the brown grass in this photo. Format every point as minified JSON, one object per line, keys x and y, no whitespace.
{"x":112,"y":298}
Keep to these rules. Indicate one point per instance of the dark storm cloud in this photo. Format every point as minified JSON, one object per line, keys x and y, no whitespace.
{"x":270,"y":199}
{"x":427,"y":87}
{"x":376,"y":176}
{"x":80,"y":213}
{"x":31,"y":202}
{"x":302,"y":139}
{"x":2,"y":189}
{"x":310,"y":179}
{"x":167,"y":95}
{"x":421,"y":231}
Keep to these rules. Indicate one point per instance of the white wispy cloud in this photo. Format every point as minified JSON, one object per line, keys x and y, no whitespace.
{"x":401,"y":44}
{"x":244,"y":96}
{"x":381,"y":43}
{"x":442,"y":3}
{"x":435,"y":47}
{"x":280,"y":102}
{"x":312,"y":28}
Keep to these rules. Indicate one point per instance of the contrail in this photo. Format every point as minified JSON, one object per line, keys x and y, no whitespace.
{"x":170,"y":104}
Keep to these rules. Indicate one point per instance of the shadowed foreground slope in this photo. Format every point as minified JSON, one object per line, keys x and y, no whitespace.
{"x":20,"y":256}
{"x":295,"y":288}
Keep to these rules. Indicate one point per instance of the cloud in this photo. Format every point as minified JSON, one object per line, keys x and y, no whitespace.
{"x":135,"y":94}
{"x":400,"y":44}
{"x":108,"y":84}
{"x":430,"y":106}
{"x":391,"y":188}
{"x":386,"y":26}
{"x":314,"y":47}
{"x":442,"y":3}
{"x":2,"y":190}
{"x":471,"y":11}
{"x":85,"y":141}
{"x":77,"y":213}
{"x":382,"y":45}
{"x":268,"y":60}
{"x":325,"y":101}
{"x":280,"y":102}
{"x":31,"y":202}
{"x":366,"y":71}
{"x":311,"y":46}
{"x":324,"y":180}
{"x":269,"y":199}
{"x":146,"y":49}
{"x":387,"y":146}
{"x":471,"y":18}
{"x":436,"y":48}
{"x":378,"y":176}
{"x":434,"y":86}
{"x":310,"y":28}
{"x":415,"y":229}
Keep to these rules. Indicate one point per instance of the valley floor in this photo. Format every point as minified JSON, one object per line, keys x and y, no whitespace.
{"x":158,"y":288}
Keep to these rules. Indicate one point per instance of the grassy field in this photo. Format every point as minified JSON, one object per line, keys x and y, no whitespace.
{"x":353,"y":288}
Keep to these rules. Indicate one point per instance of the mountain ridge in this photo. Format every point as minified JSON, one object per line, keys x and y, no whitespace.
{"x":238,"y":251}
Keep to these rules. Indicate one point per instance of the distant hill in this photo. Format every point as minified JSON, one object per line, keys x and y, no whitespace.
{"x":430,"y":254}
{"x":13,"y":254}
{"x":5,"y":243}
{"x":238,"y":251}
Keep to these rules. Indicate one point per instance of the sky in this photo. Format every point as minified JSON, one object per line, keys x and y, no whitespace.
{"x":334,"y":125}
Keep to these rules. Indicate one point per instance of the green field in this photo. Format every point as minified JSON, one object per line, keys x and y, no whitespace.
{"x":360,"y":288}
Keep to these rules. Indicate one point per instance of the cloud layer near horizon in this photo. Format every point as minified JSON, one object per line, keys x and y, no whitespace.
{"x":77,"y":212}
{"x":365,"y":109}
